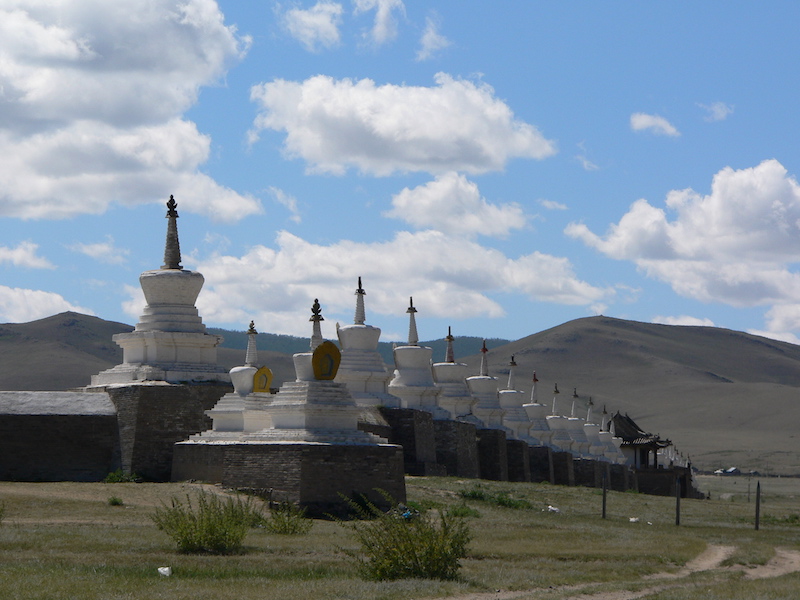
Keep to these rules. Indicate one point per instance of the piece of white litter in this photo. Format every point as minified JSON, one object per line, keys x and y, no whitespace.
{"x":649,"y":522}
{"x":634,"y":519}
{"x":553,"y":509}
{"x":165,"y":571}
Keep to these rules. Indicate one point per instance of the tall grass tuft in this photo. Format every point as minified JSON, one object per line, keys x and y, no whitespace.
{"x":209,"y":525}
{"x":404,"y":543}
{"x":286,"y":518}
{"x":501,"y":498}
{"x":120,"y":476}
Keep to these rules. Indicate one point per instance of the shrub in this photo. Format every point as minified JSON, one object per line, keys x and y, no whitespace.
{"x":404,"y":543}
{"x":503,"y":499}
{"x":115,"y":501}
{"x":286,"y":518}
{"x":212,"y":525}
{"x":462,"y":510}
{"x":119,"y":476}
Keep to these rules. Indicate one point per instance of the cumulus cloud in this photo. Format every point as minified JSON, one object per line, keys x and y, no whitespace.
{"x":457,"y":125}
{"x":737,"y":245}
{"x":92,"y":100}
{"x":448,"y":276}
{"x":316,"y":27}
{"x":684,"y":320}
{"x":19,"y":305}
{"x":453,"y":204}
{"x":384,"y":28}
{"x":24,"y":255}
{"x":552,"y":204}
{"x":105,"y":252}
{"x":716,"y":111}
{"x":653,"y":123}
{"x":431,"y":41}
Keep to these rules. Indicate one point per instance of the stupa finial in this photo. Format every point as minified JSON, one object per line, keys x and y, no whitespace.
{"x":555,"y":395}
{"x":172,"y":249}
{"x":589,"y":411}
{"x":251,"y":356}
{"x":511,"y":382}
{"x":534,"y":391}
{"x":413,"y":337}
{"x":361,"y":314}
{"x":484,"y":365}
{"x":316,"y":317}
{"x":449,"y":355}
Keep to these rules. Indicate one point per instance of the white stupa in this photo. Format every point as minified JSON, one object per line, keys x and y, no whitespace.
{"x":592,"y":431}
{"x":362,"y":369}
{"x":412,"y":380}
{"x":484,"y":389}
{"x":311,"y":409}
{"x":451,"y":379}
{"x":557,"y":423}
{"x":580,"y":443}
{"x":169,"y":343}
{"x":511,"y":400}
{"x":611,"y":443}
{"x":539,"y":430}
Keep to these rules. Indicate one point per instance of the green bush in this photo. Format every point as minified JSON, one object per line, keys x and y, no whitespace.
{"x":211,"y":524}
{"x":404,"y":543}
{"x":285,"y":518}
{"x":115,"y":501}
{"x":120,"y":476}
{"x":503,"y":499}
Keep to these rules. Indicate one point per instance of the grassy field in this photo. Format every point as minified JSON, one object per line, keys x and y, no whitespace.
{"x":65,"y":541}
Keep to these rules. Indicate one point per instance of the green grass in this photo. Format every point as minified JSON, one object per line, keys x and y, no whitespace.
{"x":63,"y":541}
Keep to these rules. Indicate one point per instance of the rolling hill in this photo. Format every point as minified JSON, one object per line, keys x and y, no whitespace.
{"x":724,"y":397}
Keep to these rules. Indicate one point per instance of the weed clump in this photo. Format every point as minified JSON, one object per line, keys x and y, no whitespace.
{"x":209,"y":525}
{"x":286,"y":518}
{"x":503,"y":499}
{"x":115,"y":501}
{"x":120,"y":476}
{"x":405,"y":543}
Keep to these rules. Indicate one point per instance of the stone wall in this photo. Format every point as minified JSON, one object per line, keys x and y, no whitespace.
{"x":58,"y":447}
{"x":152,"y":417}
{"x":541,"y":462}
{"x":413,"y":430}
{"x":519,"y":460}
{"x":493,"y":454}
{"x":318,"y":477}
{"x":563,"y":468}
{"x":457,"y":448}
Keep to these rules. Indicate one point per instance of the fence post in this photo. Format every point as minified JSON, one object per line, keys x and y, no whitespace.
{"x":605,"y":491}
{"x":758,"y":504}
{"x":677,"y":501}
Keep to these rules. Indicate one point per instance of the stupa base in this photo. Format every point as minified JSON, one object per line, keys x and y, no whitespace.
{"x":317,"y":476}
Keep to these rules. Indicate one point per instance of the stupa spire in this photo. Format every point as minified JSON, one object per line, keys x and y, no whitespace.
{"x":511,"y":382}
{"x":449,"y":356}
{"x":361,"y":314}
{"x":251,"y":356}
{"x":589,"y":411}
{"x":534,"y":392}
{"x":484,"y":365}
{"x":555,"y":395}
{"x":172,"y":249}
{"x":316,"y":317}
{"x":413,"y":337}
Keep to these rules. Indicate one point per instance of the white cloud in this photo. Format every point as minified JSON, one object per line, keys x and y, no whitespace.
{"x":431,"y":41}
{"x":316,"y":27}
{"x":452,"y":204}
{"x":684,"y":320}
{"x":447,"y":276}
{"x":91,"y":105}
{"x":287,"y":201}
{"x":587,"y":164}
{"x":384,"y":29}
{"x":653,"y":123}
{"x":737,"y":245}
{"x":24,"y":255}
{"x":552,"y":204}
{"x":19,"y":305}
{"x":716,"y":111}
{"x":457,"y":125}
{"x":104,"y":252}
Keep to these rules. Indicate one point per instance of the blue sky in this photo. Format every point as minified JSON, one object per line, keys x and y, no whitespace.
{"x":510,"y":165}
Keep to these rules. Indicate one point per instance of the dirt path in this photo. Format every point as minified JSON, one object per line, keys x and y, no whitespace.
{"x":784,"y":562}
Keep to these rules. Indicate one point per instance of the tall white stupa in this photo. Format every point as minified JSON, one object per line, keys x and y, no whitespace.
{"x":511,"y":400}
{"x":537,"y":413}
{"x":484,"y":389}
{"x":412,"y":380}
{"x":169,"y":343}
{"x":362,"y":369}
{"x":560,"y":439}
{"x":580,"y":443}
{"x":451,"y":379}
{"x":592,"y":430}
